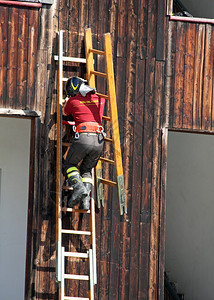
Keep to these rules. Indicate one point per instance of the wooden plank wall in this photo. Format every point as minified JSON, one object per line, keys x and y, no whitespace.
{"x":191,"y":105}
{"x":130,"y":249}
{"x":128,"y":246}
{"x":27,"y":82}
{"x":18,"y":47}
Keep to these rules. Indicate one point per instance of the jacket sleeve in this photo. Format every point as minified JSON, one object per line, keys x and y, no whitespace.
{"x":66,"y":109}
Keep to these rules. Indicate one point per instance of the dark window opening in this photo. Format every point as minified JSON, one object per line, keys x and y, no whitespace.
{"x":193,"y":8}
{"x":180,"y":10}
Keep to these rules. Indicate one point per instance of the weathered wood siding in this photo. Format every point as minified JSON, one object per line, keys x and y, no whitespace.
{"x":149,"y":71}
{"x":191,"y":103}
{"x":128,"y":247}
{"x":27,"y":82}
{"x":130,"y":263}
{"x":18,"y":48}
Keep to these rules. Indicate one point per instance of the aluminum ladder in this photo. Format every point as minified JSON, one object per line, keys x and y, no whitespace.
{"x":113,"y":118}
{"x":61,"y":254}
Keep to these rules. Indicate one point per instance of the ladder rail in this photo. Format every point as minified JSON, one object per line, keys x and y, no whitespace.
{"x":93,"y":235}
{"x":113,"y":107}
{"x":89,"y":58}
{"x":60,"y":251}
{"x":91,"y":283}
{"x":59,"y":159}
{"x":63,"y":272}
{"x":109,"y":75}
{"x":115,"y":125}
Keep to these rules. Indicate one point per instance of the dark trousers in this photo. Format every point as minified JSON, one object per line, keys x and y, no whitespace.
{"x":87,"y":150}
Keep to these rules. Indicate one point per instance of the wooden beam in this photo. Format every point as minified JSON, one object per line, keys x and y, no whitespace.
{"x":169,"y":7}
{"x":19,"y":3}
{"x":195,"y":20}
{"x":19,"y":112}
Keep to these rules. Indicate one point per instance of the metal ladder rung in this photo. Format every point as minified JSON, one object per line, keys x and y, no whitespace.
{"x":106,"y":181}
{"x":106,"y":118}
{"x":68,"y":231}
{"x":103,"y":96}
{"x":71,"y":59}
{"x":76,"y":254}
{"x":95,"y":51}
{"x":104,"y":75}
{"x":82,"y":211}
{"x":75,"y":298}
{"x":76,"y":277}
{"x":107,"y":160}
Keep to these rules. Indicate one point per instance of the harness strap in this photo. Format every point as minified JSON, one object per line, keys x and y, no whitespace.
{"x":90,"y":127}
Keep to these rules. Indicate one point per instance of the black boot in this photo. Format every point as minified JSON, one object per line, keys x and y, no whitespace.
{"x":85,"y":200}
{"x":79,"y":190}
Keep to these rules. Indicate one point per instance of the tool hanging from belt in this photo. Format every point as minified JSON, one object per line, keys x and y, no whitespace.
{"x":88,"y":127}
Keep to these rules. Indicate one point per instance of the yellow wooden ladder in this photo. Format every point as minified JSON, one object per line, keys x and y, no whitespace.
{"x":113,"y":118}
{"x":62,"y":255}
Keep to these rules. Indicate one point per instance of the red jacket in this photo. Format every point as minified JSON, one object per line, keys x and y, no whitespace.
{"x":85,"y":109}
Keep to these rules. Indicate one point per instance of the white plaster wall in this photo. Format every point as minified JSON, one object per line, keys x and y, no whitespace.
{"x":198,"y":8}
{"x":14,"y":165}
{"x":190,"y":214}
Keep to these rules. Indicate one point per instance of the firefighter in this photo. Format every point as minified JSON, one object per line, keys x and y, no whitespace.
{"x":86,"y":107}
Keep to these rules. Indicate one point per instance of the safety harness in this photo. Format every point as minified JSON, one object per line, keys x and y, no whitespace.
{"x":88,"y":127}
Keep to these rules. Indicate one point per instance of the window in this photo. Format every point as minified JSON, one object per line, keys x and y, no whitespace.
{"x":191,"y":8}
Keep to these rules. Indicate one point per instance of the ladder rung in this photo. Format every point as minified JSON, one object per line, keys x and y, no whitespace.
{"x":108,"y":140}
{"x":95,"y":51}
{"x":76,"y":254}
{"x":76,"y":232}
{"x":67,"y":188}
{"x":66,"y":144}
{"x":75,"y":298}
{"x":107,"y":160}
{"x":102,"y":95}
{"x":109,"y":182}
{"x":76,"y":277}
{"x":82,"y":211}
{"x":106,"y":118}
{"x":71,"y":59}
{"x":104,"y":75}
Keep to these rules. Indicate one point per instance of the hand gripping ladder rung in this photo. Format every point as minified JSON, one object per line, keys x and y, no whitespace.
{"x":60,"y":253}
{"x":109,"y":75}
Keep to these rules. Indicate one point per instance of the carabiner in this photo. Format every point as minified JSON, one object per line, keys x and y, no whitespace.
{"x":77,"y":135}
{"x":101,"y":131}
